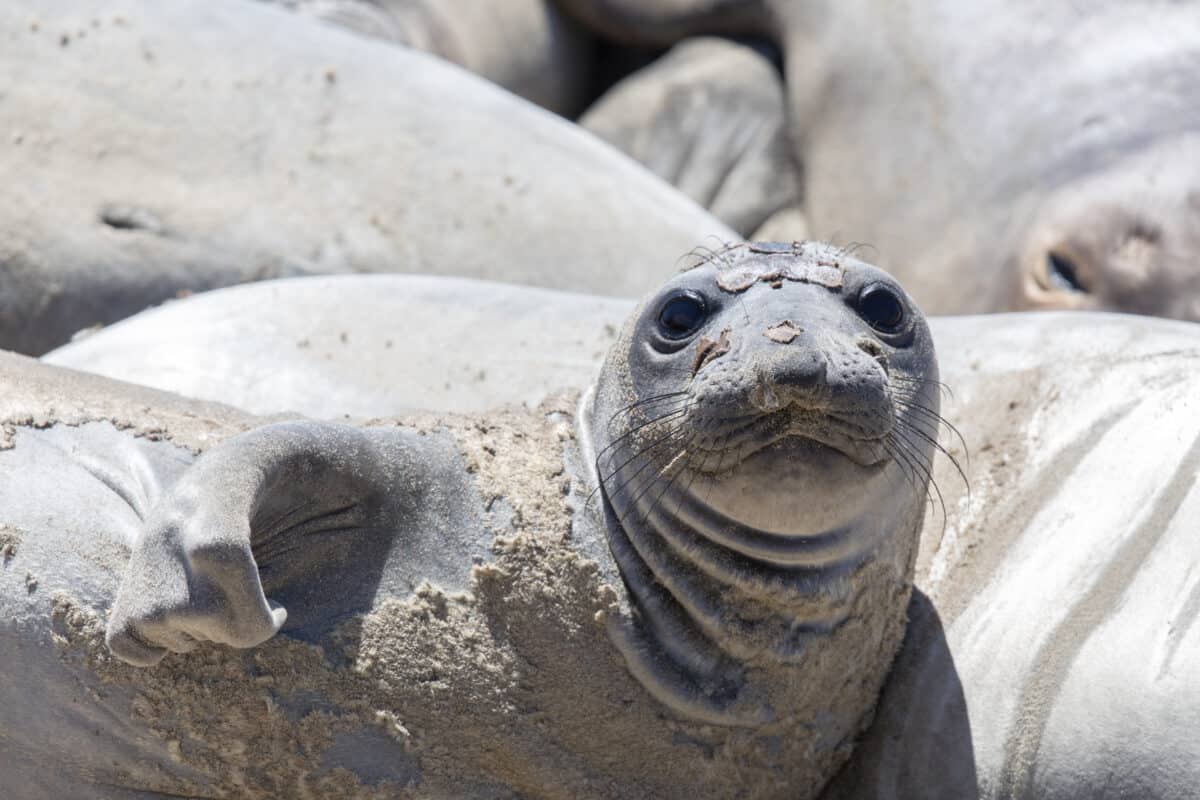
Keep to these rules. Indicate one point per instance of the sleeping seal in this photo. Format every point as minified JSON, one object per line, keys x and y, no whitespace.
{"x":997,"y":155}
{"x":527,"y":46}
{"x":314,"y":151}
{"x":693,"y":586}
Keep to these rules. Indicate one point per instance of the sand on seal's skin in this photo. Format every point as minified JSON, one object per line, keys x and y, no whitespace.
{"x":522,"y":656}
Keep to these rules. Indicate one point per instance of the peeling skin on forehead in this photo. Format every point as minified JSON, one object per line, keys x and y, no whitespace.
{"x":740,"y":266}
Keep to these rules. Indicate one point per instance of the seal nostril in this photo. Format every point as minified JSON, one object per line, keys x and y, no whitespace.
{"x":1062,"y":273}
{"x":130,"y":218}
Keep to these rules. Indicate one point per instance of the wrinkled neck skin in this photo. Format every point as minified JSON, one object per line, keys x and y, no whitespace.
{"x":767,"y":572}
{"x":730,"y":574}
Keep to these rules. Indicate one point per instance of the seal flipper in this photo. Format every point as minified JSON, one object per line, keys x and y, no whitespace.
{"x":305,"y":513}
{"x":301,"y":500}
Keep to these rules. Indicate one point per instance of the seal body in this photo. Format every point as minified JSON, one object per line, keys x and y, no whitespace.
{"x":1054,"y":643}
{"x":527,"y":46}
{"x":457,"y":613}
{"x":997,"y":156}
{"x":710,"y":118}
{"x":364,"y":346}
{"x":314,"y":151}
{"x":1067,"y":568}
{"x":1006,"y":156}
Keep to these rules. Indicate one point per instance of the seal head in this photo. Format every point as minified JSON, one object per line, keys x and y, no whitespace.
{"x":763,"y":431}
{"x":1121,"y":238}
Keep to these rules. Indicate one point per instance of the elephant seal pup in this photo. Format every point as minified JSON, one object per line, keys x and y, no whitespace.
{"x":697,"y":593}
{"x":997,"y":155}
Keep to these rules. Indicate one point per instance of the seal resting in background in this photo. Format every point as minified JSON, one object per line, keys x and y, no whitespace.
{"x":697,"y":593}
{"x":527,"y":46}
{"x":363,"y":346}
{"x":709,"y":118}
{"x":998,"y":155}
{"x":314,"y":151}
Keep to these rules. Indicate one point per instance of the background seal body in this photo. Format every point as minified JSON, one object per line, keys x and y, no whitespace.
{"x":998,"y":156}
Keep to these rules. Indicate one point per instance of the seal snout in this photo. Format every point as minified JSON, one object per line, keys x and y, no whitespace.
{"x":798,"y":376}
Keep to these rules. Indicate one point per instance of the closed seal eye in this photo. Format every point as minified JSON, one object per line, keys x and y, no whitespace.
{"x":882,"y":308}
{"x":1062,"y":274}
{"x":681,"y":316}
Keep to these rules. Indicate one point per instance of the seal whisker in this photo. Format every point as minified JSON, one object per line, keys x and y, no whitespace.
{"x":928,"y":426}
{"x":664,"y":440}
{"x":640,"y":426}
{"x":688,"y":487}
{"x":946,"y":390}
{"x":658,"y":475}
{"x":899,"y":467}
{"x":902,"y":462}
{"x":646,"y":514}
{"x":902,"y":456}
{"x":853,"y":247}
{"x":672,"y":416}
{"x":711,"y":477}
{"x":904,"y":443}
{"x":910,"y":402}
{"x":961,"y":473}
{"x":642,"y":403}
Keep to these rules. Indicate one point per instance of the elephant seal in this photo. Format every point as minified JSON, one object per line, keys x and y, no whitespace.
{"x":363,"y":346}
{"x":1055,"y":649}
{"x":697,"y":592}
{"x":709,"y":118}
{"x":1065,"y":572}
{"x":997,"y":155}
{"x":527,"y":46}
{"x":314,"y":151}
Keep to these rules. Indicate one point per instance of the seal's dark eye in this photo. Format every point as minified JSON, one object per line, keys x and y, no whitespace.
{"x":882,"y":308}
{"x":681,"y":316}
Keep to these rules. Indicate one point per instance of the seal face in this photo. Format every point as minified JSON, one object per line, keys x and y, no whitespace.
{"x":762,"y":433}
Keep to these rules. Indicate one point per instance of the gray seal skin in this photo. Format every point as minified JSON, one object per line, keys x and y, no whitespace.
{"x":1057,"y":653}
{"x":362,"y":346}
{"x":1053,"y":637}
{"x":314,"y":151}
{"x":708,"y":117}
{"x":1052,"y":643}
{"x":997,"y":155}
{"x":527,"y":46}
{"x":473,"y":577}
